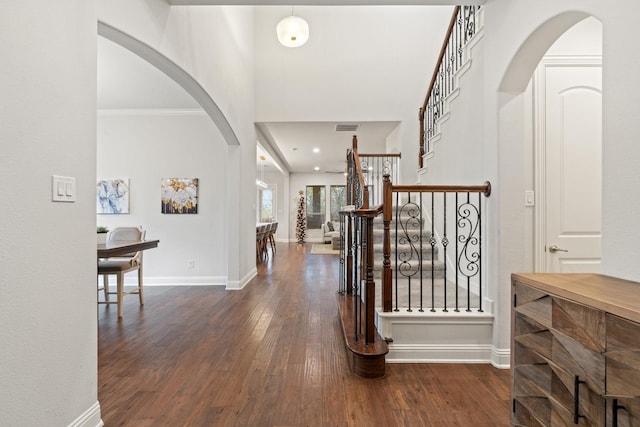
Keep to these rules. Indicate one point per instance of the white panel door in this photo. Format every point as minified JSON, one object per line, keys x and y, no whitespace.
{"x":573,"y":153}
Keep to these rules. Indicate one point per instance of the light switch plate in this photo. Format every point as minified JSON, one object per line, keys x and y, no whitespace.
{"x":63,"y":189}
{"x":529,"y":198}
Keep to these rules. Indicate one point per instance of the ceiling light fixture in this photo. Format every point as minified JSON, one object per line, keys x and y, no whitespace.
{"x":316,"y":150}
{"x":317,"y":168}
{"x":292,"y":31}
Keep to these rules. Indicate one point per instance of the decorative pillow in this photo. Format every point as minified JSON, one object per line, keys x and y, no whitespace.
{"x":330,"y":226}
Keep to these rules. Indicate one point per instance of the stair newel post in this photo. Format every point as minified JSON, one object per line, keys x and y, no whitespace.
{"x":370,"y":285}
{"x":421,"y":153}
{"x":365,"y":198}
{"x":387,"y":211}
{"x":349,"y":249}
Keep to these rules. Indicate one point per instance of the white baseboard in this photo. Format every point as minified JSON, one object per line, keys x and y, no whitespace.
{"x":445,"y":353}
{"x":501,"y":358}
{"x":90,"y":418}
{"x":237,"y":285}
{"x":191,"y":281}
{"x":175,"y":281}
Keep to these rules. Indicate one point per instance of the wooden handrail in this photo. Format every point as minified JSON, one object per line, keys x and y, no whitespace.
{"x":369,"y":212}
{"x":443,"y":50}
{"x":485,"y":188}
{"x":389,"y":189}
{"x":359,"y":174}
{"x":398,"y":155}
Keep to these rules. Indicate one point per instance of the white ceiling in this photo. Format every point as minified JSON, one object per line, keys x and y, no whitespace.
{"x":125,"y":81}
{"x":324,"y":2}
{"x":296,"y":142}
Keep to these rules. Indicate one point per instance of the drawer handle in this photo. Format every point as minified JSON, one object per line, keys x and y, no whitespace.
{"x":615,"y":408}
{"x":576,"y":400}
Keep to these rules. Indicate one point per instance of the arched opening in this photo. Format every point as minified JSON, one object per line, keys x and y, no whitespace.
{"x":524,"y":123}
{"x":190,"y":139}
{"x":176,"y":73}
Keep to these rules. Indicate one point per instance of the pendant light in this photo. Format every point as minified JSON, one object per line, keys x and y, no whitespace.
{"x":260,"y":182}
{"x":292,"y":31}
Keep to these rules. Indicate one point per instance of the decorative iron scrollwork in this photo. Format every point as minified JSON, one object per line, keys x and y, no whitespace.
{"x":409,"y":220}
{"x":469,"y":256}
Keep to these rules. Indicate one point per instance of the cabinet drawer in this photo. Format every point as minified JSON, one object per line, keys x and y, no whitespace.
{"x":585,"y":325}
{"x":623,"y":357}
{"x":627,"y":413}
{"x":591,"y":403}
{"x":533,"y":304}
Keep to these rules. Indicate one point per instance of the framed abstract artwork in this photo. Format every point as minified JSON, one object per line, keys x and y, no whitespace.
{"x":112,"y":196}
{"x":179,"y":195}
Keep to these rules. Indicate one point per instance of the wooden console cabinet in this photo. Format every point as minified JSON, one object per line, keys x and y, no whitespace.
{"x":575,"y":350}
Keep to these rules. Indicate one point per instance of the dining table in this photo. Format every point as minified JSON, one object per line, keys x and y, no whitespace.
{"x":115,"y":248}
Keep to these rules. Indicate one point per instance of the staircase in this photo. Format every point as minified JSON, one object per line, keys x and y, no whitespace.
{"x":411,"y":281}
{"x":425,"y":324}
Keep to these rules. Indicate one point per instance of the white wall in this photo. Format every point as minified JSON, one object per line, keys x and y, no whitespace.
{"x":214,"y":45}
{"x":515,"y":38}
{"x":146,"y":146}
{"x":508,"y":68}
{"x":48,"y":356}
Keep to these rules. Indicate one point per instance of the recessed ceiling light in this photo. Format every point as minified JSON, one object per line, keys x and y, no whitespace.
{"x":317,"y":168}
{"x":316,"y":150}
{"x":294,"y":148}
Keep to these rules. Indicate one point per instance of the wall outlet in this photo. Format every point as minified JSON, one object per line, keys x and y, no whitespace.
{"x":190,"y":263}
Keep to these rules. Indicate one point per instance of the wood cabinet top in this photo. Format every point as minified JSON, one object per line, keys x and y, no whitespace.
{"x":610,"y":294}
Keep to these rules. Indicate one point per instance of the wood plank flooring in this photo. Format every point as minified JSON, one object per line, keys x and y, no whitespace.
{"x":271,"y":354}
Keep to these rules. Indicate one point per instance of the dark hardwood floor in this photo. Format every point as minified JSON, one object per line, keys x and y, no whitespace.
{"x":271,"y":354}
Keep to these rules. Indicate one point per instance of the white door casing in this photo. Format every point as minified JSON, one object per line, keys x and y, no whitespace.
{"x":568,"y":105}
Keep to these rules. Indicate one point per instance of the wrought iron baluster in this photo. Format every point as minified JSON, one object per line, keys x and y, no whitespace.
{"x":444,"y":242}
{"x":456,"y":254}
{"x":341,"y":274}
{"x":396,"y":249}
{"x":432,"y":241}
{"x":468,"y":277}
{"x":408,"y":240}
{"x":480,"y":253}
{"x":421,"y":252}
{"x":469,"y":254}
{"x":356,"y":277}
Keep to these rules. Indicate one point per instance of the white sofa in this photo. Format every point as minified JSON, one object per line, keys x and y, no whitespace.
{"x":327,"y":234}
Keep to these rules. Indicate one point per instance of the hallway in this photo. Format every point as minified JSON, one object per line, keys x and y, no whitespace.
{"x":271,"y":355}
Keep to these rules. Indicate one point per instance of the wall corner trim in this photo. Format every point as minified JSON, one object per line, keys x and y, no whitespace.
{"x":90,"y":418}
{"x":236,"y":285}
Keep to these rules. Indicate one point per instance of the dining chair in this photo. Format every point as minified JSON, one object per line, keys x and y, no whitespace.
{"x":119,"y":266}
{"x":261,"y":245}
{"x":272,"y":238}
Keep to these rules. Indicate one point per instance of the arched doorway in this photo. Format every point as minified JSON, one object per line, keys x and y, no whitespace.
{"x":567,"y":163}
{"x":517,"y":151}
{"x":226,"y":237}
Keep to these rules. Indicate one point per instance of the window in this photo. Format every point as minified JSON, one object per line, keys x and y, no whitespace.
{"x":316,"y":206}
{"x":266,"y":198}
{"x":338,"y":201}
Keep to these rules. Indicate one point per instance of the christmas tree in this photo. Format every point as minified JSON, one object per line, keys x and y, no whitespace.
{"x":301,"y":220}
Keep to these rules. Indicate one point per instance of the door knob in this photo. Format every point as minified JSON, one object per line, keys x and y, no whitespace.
{"x":553,"y":249}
